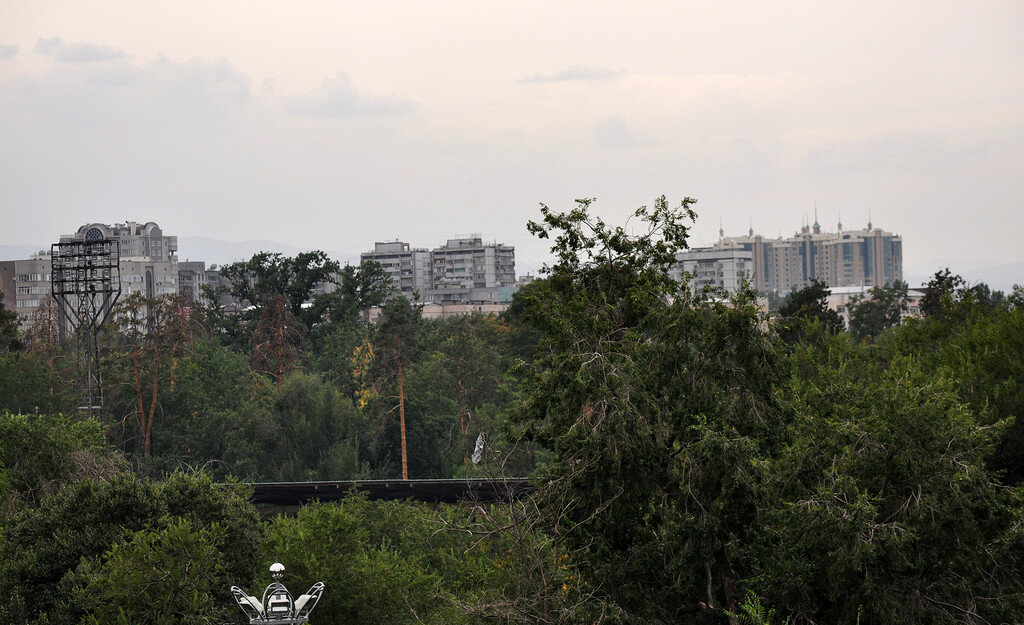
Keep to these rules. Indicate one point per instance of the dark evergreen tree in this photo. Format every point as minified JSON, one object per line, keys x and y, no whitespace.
{"x":805,"y":315}
{"x":10,"y":336}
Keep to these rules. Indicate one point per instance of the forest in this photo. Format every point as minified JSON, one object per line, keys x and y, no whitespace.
{"x":695,"y":457}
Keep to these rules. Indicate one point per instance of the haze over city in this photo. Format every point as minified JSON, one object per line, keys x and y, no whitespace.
{"x":330,"y":126}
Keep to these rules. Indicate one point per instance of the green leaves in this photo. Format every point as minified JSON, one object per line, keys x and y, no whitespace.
{"x":660,"y":411}
{"x":881,"y":502}
{"x":10,"y":336}
{"x":94,"y":546}
{"x":164,"y":576}
{"x":884,"y":308}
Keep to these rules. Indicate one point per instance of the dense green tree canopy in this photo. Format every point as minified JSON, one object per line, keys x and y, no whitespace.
{"x":691,"y":465}
{"x":883,"y":308}
{"x":804,"y":315}
{"x":268,"y":274}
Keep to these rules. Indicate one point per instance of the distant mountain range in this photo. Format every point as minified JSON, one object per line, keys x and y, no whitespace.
{"x":217,"y":252}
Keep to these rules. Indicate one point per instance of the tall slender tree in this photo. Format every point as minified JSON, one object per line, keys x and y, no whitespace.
{"x":395,"y":345}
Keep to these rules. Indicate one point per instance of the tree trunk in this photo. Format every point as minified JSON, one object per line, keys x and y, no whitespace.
{"x":401,"y":408}
{"x":139,"y":406}
{"x":728,"y":585}
{"x":152,"y":405}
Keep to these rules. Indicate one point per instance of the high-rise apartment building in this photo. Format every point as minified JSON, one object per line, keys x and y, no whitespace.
{"x":463,"y":270}
{"x":148,"y":263}
{"x":409,"y":268}
{"x":869,"y":257}
{"x":467,"y":269}
{"x":31,"y":282}
{"x":712,"y":267}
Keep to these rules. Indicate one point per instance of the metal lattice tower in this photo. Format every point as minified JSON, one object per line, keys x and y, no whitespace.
{"x":86,"y":282}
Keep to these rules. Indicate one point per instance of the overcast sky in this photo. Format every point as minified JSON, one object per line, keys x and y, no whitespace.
{"x":334,"y":124}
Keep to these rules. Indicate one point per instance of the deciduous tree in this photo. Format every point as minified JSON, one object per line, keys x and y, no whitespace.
{"x":884,"y":308}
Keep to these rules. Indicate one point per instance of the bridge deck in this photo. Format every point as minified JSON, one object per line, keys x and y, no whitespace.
{"x":430,"y":491}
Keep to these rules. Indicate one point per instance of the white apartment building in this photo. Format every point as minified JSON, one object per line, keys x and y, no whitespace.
{"x":712,"y":267}
{"x":148,"y":259}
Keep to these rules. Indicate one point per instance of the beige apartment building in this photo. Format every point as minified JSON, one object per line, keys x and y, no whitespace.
{"x":863,"y":258}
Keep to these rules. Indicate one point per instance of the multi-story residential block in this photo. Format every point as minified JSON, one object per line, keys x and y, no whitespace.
{"x":471,"y":271}
{"x":712,"y":267}
{"x":869,"y":257}
{"x":7,"y":285}
{"x":141,"y":241}
{"x":192,"y":277}
{"x":32,"y":282}
{"x":464,"y":270}
{"x":408,"y":268}
{"x":148,"y":263}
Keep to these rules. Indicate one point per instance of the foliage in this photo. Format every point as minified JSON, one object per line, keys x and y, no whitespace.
{"x":394,"y":346}
{"x":10,"y":336}
{"x":41,"y":453}
{"x":146,"y":338}
{"x":629,"y":383}
{"x":209,"y":412}
{"x":804,"y":315}
{"x":163,"y":576}
{"x":28,"y":385}
{"x":358,"y":288}
{"x":881,"y":504}
{"x":691,"y":466}
{"x":42,"y":548}
{"x":277,"y":339}
{"x":381,"y":562}
{"x":269,"y":274}
{"x":885,"y":308}
{"x":943,"y":290}
{"x":980,"y":350}
{"x":313,"y":434}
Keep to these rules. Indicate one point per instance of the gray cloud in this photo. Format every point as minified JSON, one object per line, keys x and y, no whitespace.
{"x":337,"y":97}
{"x":78,"y":52}
{"x":575,"y":73}
{"x":7,"y":51}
